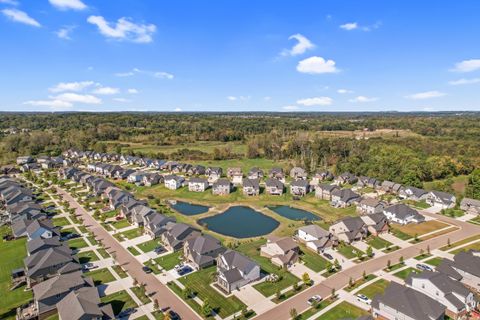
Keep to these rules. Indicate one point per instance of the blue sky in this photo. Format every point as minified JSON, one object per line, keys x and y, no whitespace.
{"x":218,"y":55}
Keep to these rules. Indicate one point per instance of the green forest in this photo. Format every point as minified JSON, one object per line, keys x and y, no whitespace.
{"x":409,"y":148}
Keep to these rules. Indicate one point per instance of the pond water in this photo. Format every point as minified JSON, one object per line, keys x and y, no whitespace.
{"x":294,"y":213}
{"x":240,"y":222}
{"x":189,"y":209}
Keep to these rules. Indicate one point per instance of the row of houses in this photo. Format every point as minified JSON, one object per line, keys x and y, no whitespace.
{"x":450,"y":290}
{"x":51,"y":269}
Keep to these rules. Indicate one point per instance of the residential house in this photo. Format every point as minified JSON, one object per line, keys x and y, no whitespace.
{"x":376,"y":223}
{"x":196,"y":170}
{"x":277,"y":173}
{"x":367,"y":182}
{"x":370,"y":206}
{"x":349,"y":229}
{"x":465,"y":268}
{"x":413,"y":193}
{"x":453,"y":294}
{"x":25,"y":210}
{"x":202,"y":251}
{"x":235,"y":271}
{"x":222,"y":187}
{"x":39,"y":244}
{"x":156,"y":224}
{"x":298,"y":173}
{"x":282,"y":252}
{"x":24,"y":160}
{"x":391,"y":187}
{"x":123,"y":174}
{"x":255,"y":173}
{"x":177,"y":234}
{"x":251,"y":187}
{"x":41,"y":229}
{"x":342,"y":198}
{"x":321,"y":176}
{"x":213,"y":173}
{"x":403,"y":214}
{"x":274,"y":187}
{"x":236,"y":175}
{"x":401,"y":302}
{"x":197,"y":184}
{"x":441,"y":199}
{"x":173,"y":182}
{"x":136,"y":177}
{"x":315,"y":238}
{"x":84,"y":304}
{"x":324,"y":191}
{"x":151,"y":178}
{"x":299,"y":187}
{"x":471,"y":206}
{"x":346,"y":178}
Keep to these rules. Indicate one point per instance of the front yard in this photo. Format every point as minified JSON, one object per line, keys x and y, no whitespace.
{"x":420,"y":228}
{"x":313,"y":260}
{"x":129,"y":234}
{"x":403,"y":274}
{"x":375,"y":288}
{"x":120,"y":301}
{"x":101,"y":276}
{"x":170,"y":260}
{"x":343,"y":310}
{"x":149,"y":245}
{"x":378,"y":243}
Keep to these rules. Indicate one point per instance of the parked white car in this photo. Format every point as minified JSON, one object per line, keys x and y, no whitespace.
{"x":363,"y":298}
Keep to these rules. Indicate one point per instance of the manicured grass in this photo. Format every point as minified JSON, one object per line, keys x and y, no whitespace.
{"x":77,"y":243}
{"x":179,"y":292}
{"x":394,"y":267}
{"x":439,"y":233}
{"x":348,"y":251}
{"x":103,"y":253}
{"x":169,"y":261}
{"x":252,"y":250}
{"x":434,"y":261}
{"x":120,"y":224}
{"x":133,"y":251}
{"x":390,"y":249}
{"x":399,"y":234}
{"x":82,"y":229}
{"x":60,"y":222}
{"x":313,"y":260}
{"x":420,"y":228}
{"x":378,"y":243}
{"x":101,"y":276}
{"x":106,"y":226}
{"x":67,"y":231}
{"x":343,"y":310}
{"x":473,"y":246}
{"x":459,"y":243}
{"x":154,"y":266}
{"x":120,"y":300}
{"x":158,"y":315}
{"x":149,"y":245}
{"x":290,"y":293}
{"x":199,"y":283}
{"x":129,"y":234}
{"x":360,"y":282}
{"x":119,"y":270}
{"x":422,"y":256}
{"x":418,"y":204}
{"x":313,"y":310}
{"x":377,"y":287}
{"x":92,"y":240}
{"x":12,"y":253}
{"x":87,"y":256}
{"x":110,"y":214}
{"x":454,"y":213}
{"x":403,"y":274}
{"x":141,"y":295}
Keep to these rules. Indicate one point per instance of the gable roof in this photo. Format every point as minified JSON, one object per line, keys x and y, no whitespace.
{"x":315,"y":231}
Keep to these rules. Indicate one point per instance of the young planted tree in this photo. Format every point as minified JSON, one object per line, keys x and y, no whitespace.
{"x":306,"y":279}
{"x":293,"y":314}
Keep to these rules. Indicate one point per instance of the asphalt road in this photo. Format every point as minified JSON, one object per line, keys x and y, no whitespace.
{"x":164,"y":296}
{"x":340,"y":280}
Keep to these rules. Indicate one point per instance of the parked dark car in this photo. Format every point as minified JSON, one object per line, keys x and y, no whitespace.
{"x":146,"y":269}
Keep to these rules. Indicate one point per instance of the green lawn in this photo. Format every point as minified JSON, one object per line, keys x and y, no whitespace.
{"x":133,"y":251}
{"x":454,"y":213}
{"x":199,"y":283}
{"x":101,"y":276}
{"x":434,"y":261}
{"x":403,"y":274}
{"x":251,"y":249}
{"x":119,"y":270}
{"x":141,"y":295}
{"x":343,"y":310}
{"x":60,"y":222}
{"x":313,"y":310}
{"x":378,"y":243}
{"x":390,"y":249}
{"x":377,"y":287}
{"x":120,"y":224}
{"x":313,"y":260}
{"x":103,"y":253}
{"x":77,"y":243}
{"x":399,"y":234}
{"x":129,"y":234}
{"x":12,"y":253}
{"x":149,"y":245}
{"x":360,"y":282}
{"x":423,"y":256}
{"x":473,"y":246}
{"x":170,"y":260}
{"x":120,"y":300}
{"x":87,"y":256}
{"x":459,"y":243}
{"x":348,"y":251}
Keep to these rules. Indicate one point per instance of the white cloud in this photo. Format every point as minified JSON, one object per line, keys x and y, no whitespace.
{"x":344,"y":91}
{"x":232,"y":98}
{"x":239,"y":98}
{"x":363,"y":99}
{"x":78,"y":98}
{"x":426,"y":95}
{"x":71,"y":86}
{"x":316,"y":65}
{"x":132,"y":91}
{"x":464,"y":81}
{"x":163,"y":75}
{"x":64,"y":33}
{"x":68,"y":4}
{"x":349,"y":26}
{"x":20,"y":16}
{"x":303,"y":44}
{"x":267,"y":98}
{"x":467,"y":65}
{"x":177,"y":109}
{"x":317,"y":101}
{"x":155,"y":74}
{"x":124,"y":74}
{"x":10,"y":2}
{"x":106,"y":91}
{"x":54,"y":104}
{"x":123,"y":100}
{"x":290,"y":108}
{"x":124,"y":29}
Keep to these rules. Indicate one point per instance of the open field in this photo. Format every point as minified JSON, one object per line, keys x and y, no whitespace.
{"x":457,"y":184}
{"x":420,"y":228}
{"x":343,"y":310}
